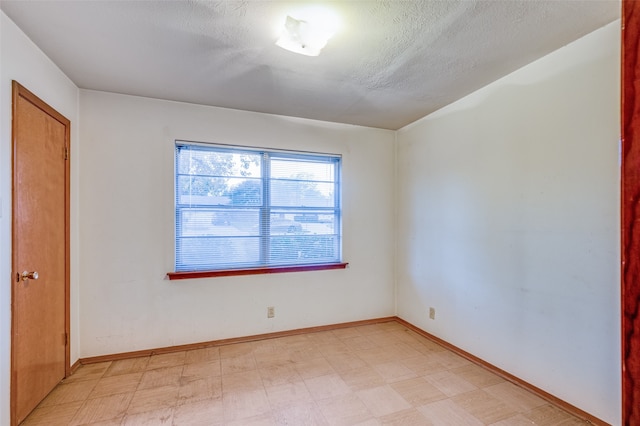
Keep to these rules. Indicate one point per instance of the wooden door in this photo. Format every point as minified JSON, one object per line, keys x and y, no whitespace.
{"x":40,"y":305}
{"x":630,"y":212}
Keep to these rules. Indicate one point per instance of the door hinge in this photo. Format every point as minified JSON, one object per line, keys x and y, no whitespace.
{"x":66,"y":339}
{"x":66,"y":153}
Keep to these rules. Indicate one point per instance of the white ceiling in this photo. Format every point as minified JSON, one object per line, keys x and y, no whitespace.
{"x":392,"y":63}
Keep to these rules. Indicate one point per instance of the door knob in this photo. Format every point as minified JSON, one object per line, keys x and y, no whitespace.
{"x":29,"y":275}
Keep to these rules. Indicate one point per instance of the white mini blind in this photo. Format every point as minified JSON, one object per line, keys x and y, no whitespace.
{"x":241,"y":208}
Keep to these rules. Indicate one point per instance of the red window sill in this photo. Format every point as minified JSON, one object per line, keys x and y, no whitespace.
{"x":254,"y":271}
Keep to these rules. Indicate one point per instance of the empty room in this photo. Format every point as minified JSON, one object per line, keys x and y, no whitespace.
{"x":318,"y":213}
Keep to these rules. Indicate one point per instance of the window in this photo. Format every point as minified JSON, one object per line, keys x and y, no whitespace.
{"x":240,"y":208}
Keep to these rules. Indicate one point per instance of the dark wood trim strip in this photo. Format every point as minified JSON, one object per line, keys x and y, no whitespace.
{"x":630,"y":213}
{"x":255,"y":271}
{"x":222,"y":342}
{"x":74,"y":367}
{"x":507,"y":376}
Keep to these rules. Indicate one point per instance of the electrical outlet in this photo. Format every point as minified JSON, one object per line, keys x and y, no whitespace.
{"x":271,"y":312}
{"x":432,"y":313}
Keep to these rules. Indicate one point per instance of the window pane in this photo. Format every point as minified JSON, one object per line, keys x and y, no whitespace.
{"x":215,"y":191}
{"x":296,"y":167}
{"x":208,"y":162}
{"x":301,"y":193}
{"x":224,"y":194}
{"x":203,"y":253}
{"x":292,"y":249}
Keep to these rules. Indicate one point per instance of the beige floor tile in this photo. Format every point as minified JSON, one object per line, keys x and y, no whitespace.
{"x":153,"y":399}
{"x":332,"y":349}
{"x":322,"y":337}
{"x":427,"y":347}
{"x":552,"y":416}
{"x":53,"y":415}
{"x":313,"y":367}
{"x":401,"y":350}
{"x":511,"y":394}
{"x":359,"y":343}
{"x":287,"y":394}
{"x":111,"y":422}
{"x":88,"y":372}
{"x":346,"y":333}
{"x":517,"y":420}
{"x":103,"y":408}
{"x":383,"y":339}
{"x":391,"y":326}
{"x":449,"y":359}
{"x":484,"y":406}
{"x":304,"y":352}
{"x":208,"y":412}
{"x":201,"y":370}
{"x":240,"y":405}
{"x":70,"y":392}
{"x":362,"y":378}
{"x":161,"y":417}
{"x":371,"y":422}
{"x":265,"y":360}
{"x":377,"y":355}
{"x":449,"y":383}
{"x":127,"y":366}
{"x":294,"y":339}
{"x":382,"y":400}
{"x":418,"y":391}
{"x":447,"y":413}
{"x":202,"y":355}
{"x":423,"y":365}
{"x":245,"y":381}
{"x":238,"y":364}
{"x":124,"y":383}
{"x":166,"y":360}
{"x":477,"y":375}
{"x":344,"y":410}
{"x":368,"y":329}
{"x":300,"y":414}
{"x":165,"y":376}
{"x":394,"y":371}
{"x":279,"y":374}
{"x":259,"y":420}
{"x":345,"y":361}
{"x":237,"y":349}
{"x":410,"y":417}
{"x":327,"y":386}
{"x":199,"y":389}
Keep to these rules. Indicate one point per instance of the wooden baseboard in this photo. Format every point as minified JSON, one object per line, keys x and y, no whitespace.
{"x":478,"y":361}
{"x":221,"y":342}
{"x":507,"y":376}
{"x":74,"y":367}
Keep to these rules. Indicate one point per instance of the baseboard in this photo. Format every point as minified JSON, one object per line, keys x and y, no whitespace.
{"x":74,"y":367}
{"x":221,"y":342}
{"x":507,"y":376}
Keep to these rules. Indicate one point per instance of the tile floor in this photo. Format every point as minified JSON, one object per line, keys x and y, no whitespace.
{"x":381,"y":374}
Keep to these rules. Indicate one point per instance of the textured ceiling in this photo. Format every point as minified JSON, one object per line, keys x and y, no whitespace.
{"x":392,"y":63}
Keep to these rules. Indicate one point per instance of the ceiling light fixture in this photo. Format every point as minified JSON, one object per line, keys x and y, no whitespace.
{"x":308,"y":34}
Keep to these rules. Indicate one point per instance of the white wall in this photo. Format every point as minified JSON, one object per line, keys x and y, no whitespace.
{"x":127,"y":240}
{"x":22,"y":61}
{"x":508,"y":223}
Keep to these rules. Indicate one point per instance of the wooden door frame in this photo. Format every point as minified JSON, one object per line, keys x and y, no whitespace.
{"x":20,"y":91}
{"x":630,"y":213}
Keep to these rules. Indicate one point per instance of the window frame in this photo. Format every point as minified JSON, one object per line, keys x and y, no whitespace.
{"x":266,"y":209}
